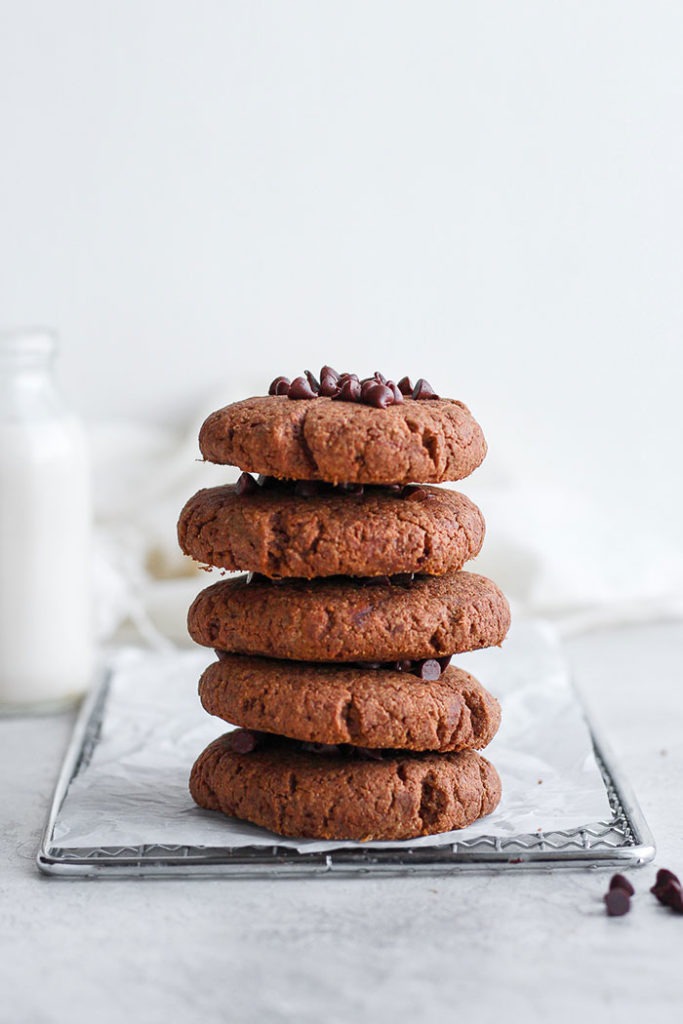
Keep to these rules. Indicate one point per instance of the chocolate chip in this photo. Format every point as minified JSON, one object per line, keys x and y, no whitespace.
{"x":445,"y":662}
{"x":369,"y":664}
{"x":355,"y":489}
{"x":312,"y":380}
{"x":405,"y":386}
{"x":349,"y":390}
{"x":413,"y":492}
{"x":380,"y":377}
{"x":246,"y":484}
{"x":398,"y":396}
{"x":376,"y":581}
{"x":365,"y":386}
{"x":329,"y":386}
{"x":271,"y":581}
{"x":326,"y":749}
{"x":621,"y":882}
{"x":300,"y":388}
{"x":671,"y":895}
{"x":617,"y":902}
{"x":392,"y":488}
{"x":242,"y":741}
{"x":329,"y":371}
{"x":668,"y":890}
{"x":306,"y":488}
{"x":403,"y":579}
{"x":280,"y":386}
{"x":368,"y":753}
{"x":378,"y":395}
{"x":430,"y":670}
{"x":664,"y":876}
{"x":273,"y":483}
{"x":221,"y":655}
{"x":423,"y":389}
{"x":343,"y":377}
{"x":404,"y":665}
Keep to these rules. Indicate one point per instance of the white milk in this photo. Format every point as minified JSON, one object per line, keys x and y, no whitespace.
{"x":45,"y":631}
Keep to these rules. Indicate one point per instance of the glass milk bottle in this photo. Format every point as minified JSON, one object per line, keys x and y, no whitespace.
{"x":45,"y":629}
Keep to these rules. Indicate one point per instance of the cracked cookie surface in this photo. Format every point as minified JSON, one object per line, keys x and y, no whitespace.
{"x":429,"y":442}
{"x":297,"y":793}
{"x":379,"y":708}
{"x":373,"y":534}
{"x":338,"y":620}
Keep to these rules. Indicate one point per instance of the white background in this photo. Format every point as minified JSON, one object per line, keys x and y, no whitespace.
{"x":485,"y":194}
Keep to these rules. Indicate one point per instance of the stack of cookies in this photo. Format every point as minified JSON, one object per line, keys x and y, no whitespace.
{"x":333,"y":651}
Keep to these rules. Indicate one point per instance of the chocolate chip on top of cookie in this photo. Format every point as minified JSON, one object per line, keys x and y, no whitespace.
{"x":348,"y":387}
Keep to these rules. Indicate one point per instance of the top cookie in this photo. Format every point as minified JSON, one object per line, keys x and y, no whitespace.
{"x":344,"y":442}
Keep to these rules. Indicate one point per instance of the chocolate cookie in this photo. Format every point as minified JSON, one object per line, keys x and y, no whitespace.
{"x":335,"y":619}
{"x":339,"y":441}
{"x":298,"y":793}
{"x":363,"y":707}
{"x":280,"y":533}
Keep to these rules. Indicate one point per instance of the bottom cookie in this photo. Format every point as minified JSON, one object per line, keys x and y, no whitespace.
{"x":305,"y":793}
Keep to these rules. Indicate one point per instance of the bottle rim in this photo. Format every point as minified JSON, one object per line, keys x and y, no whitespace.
{"x":28,"y":341}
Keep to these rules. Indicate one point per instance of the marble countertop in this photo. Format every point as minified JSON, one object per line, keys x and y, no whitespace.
{"x":502,"y":946}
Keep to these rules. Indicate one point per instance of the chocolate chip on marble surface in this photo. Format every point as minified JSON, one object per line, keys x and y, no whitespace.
{"x":621,"y":882}
{"x":617,"y":902}
{"x":423,"y":390}
{"x":280,"y":386}
{"x":664,"y":876}
{"x":672,"y":896}
{"x":668,"y":890}
{"x":246,"y":484}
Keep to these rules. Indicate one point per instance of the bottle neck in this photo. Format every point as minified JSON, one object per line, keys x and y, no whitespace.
{"x":27,"y":387}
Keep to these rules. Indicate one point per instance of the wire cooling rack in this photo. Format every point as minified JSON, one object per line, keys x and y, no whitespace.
{"x":623,"y":840}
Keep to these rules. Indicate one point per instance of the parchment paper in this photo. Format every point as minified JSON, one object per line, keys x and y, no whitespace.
{"x":134,"y":790}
